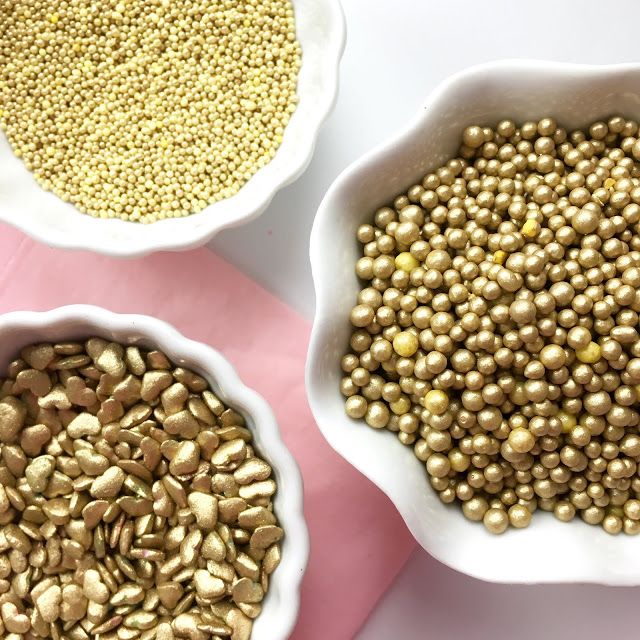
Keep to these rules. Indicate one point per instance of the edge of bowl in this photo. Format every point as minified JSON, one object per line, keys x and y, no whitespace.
{"x":223,"y":375}
{"x":206,"y":227}
{"x":322,"y":285}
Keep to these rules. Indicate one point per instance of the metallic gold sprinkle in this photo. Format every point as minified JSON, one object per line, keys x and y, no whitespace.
{"x":495,"y":332}
{"x":115,"y":524}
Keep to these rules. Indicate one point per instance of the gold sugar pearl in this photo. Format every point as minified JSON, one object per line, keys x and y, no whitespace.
{"x":521,"y":440}
{"x":496,"y":332}
{"x":519,"y":516}
{"x":496,"y":521}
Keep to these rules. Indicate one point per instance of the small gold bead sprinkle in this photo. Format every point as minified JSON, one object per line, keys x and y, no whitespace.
{"x":144,"y":111}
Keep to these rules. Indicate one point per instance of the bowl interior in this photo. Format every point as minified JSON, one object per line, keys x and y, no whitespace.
{"x":548,"y":551}
{"x":42,"y":215}
{"x":280,"y":604}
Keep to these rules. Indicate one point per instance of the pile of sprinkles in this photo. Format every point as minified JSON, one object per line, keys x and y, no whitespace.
{"x":146,"y":109}
{"x":496,"y":331}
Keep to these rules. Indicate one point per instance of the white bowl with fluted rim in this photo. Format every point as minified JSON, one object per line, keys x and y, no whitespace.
{"x":320,"y":29}
{"x":576,"y":95}
{"x":21,"y":328}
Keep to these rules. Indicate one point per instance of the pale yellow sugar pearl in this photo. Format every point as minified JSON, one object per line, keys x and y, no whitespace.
{"x":590,"y":354}
{"x":567,"y":420}
{"x":401,"y":406}
{"x":406,"y":262}
{"x":530,"y":229}
{"x":499,"y":257}
{"x":405,"y":344}
{"x":436,"y":401}
{"x":146,"y":110}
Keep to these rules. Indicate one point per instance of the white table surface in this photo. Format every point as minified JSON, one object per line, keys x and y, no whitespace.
{"x":397,"y":51}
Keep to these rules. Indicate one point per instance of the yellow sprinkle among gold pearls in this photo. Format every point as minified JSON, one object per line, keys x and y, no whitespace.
{"x":405,"y":344}
{"x":146,"y":109}
{"x":499,"y":256}
{"x":590,"y":354}
{"x":609,"y":184}
{"x":530,"y":229}
{"x":406,"y":262}
{"x":400,"y":406}
{"x":436,"y":401}
{"x":568,"y":421}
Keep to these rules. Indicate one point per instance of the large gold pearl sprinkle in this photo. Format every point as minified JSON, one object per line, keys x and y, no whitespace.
{"x":496,"y":332}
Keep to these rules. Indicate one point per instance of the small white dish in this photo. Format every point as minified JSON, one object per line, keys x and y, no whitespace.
{"x":45,"y":217}
{"x":20,"y":328}
{"x":576,"y":95}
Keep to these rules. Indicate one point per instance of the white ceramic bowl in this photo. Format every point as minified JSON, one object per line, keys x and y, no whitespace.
{"x":548,"y":551}
{"x":43,"y":216}
{"x":18,"y":329}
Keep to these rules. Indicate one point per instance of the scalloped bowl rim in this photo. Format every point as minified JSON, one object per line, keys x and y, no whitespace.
{"x":282,"y":603}
{"x":610,"y":569}
{"x":322,"y":33}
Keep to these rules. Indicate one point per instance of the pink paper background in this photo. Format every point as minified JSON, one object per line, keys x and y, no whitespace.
{"x":358,"y":541}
